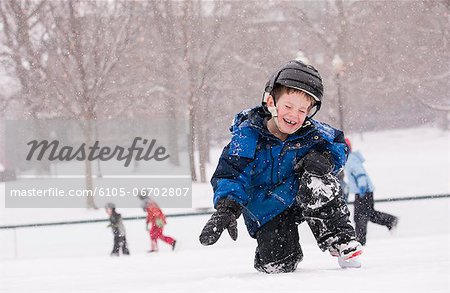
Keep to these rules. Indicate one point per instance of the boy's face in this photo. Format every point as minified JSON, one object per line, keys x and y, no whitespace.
{"x":292,"y":109}
{"x":109,"y":211}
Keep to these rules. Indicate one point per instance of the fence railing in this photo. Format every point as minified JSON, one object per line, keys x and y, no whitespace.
{"x":200,"y":213}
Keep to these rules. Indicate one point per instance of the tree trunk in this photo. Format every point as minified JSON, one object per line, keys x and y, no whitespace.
{"x":191,"y":142}
{"x":202,"y":137}
{"x":41,"y":131}
{"x":207,"y":145}
{"x":173,"y":134}
{"x":202,"y":151}
{"x":90,"y":203}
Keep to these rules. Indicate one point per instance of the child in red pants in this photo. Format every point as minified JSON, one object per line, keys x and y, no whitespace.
{"x":157,"y":219}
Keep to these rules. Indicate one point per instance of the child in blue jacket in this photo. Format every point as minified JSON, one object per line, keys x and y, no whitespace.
{"x":360,"y":184}
{"x":279,"y":170}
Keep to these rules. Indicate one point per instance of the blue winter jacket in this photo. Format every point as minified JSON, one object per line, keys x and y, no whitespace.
{"x":358,"y":179}
{"x":256,"y":169}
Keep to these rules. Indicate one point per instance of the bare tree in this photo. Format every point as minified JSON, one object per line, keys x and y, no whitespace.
{"x":65,"y":53}
{"x":200,"y":32}
{"x":22,"y":49}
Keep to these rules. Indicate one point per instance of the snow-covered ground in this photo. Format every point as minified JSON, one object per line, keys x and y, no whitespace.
{"x":74,"y":258}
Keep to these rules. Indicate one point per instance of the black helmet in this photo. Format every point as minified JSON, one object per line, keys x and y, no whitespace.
{"x":298,"y":75}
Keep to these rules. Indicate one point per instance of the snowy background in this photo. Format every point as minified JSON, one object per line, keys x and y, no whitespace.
{"x":75,"y":258}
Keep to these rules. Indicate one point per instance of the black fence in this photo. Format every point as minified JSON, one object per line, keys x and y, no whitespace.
{"x":202,"y":212}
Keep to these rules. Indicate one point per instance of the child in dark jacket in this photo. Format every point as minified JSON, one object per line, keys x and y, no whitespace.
{"x":118,"y":229}
{"x":279,"y":170}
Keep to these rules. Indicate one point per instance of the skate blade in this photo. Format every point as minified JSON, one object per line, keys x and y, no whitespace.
{"x":349,"y":264}
{"x":351,"y":261}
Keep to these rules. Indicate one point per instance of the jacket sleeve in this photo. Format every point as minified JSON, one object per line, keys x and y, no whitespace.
{"x":333,"y":142}
{"x":232,"y":175}
{"x":338,"y":150}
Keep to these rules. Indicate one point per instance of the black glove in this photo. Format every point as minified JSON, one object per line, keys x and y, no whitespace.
{"x":224,"y":218}
{"x":316,"y":163}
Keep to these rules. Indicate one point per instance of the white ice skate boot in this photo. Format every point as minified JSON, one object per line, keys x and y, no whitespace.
{"x":348,"y":254}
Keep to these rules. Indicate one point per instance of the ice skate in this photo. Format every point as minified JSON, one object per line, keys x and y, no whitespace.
{"x":173,"y":245}
{"x":393,"y":227}
{"x":349,"y":254}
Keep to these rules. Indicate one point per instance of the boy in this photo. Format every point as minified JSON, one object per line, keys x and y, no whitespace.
{"x":118,"y":229}
{"x":360,"y":184}
{"x":279,"y":170}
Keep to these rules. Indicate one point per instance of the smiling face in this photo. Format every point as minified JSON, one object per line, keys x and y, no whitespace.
{"x":292,"y":108}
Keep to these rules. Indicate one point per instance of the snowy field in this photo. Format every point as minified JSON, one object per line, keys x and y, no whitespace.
{"x":74,"y":258}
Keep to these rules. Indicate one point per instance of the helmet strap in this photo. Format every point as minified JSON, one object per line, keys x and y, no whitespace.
{"x":264,"y":103}
{"x":274,"y":112}
{"x":316,"y":109}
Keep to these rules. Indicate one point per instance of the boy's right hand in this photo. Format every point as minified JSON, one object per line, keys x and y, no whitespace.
{"x":224,"y":218}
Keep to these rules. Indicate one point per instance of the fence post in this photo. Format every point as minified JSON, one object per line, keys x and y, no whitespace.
{"x":15,"y":242}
